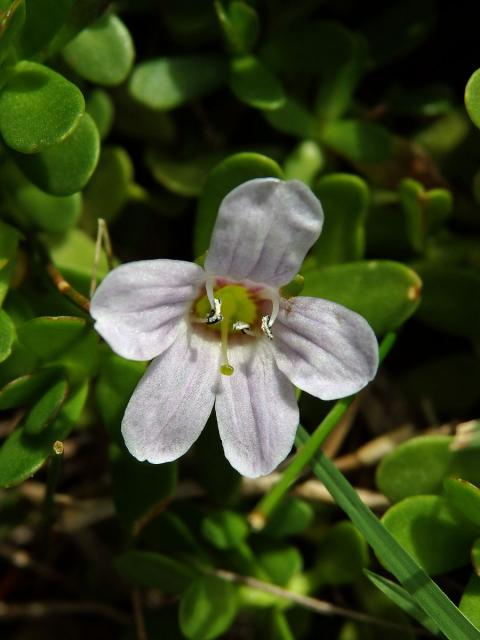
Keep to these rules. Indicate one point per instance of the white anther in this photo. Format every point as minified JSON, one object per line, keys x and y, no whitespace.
{"x":266,"y":324}
{"x":215,"y":314}
{"x":244,"y":327}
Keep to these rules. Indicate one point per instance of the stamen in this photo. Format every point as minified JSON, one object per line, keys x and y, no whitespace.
{"x":244,"y":327}
{"x":266,"y":324}
{"x":225,"y":368}
{"x":275,"y":300}
{"x":209,"y":290}
{"x":215,"y":314}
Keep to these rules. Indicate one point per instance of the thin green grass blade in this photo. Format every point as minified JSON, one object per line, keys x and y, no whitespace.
{"x":436,"y":604}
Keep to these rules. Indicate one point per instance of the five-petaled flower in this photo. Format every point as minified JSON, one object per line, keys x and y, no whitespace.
{"x":224,"y":336}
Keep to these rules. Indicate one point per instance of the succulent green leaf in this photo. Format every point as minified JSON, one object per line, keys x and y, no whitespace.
{"x":426,"y":211}
{"x":148,"y":569}
{"x":451,"y":299}
{"x":358,"y":141}
{"x":240,"y":25}
{"x":22,"y":454}
{"x":108,"y":189}
{"x":345,"y":200}
{"x":295,"y":119}
{"x":12,"y":18}
{"x":384,"y":292}
{"x":100,"y":106}
{"x":102,"y":53}
{"x":472,"y":97}
{"x":463,"y":496}
{"x":9,"y":238}
{"x":402,"y":599}
{"x":207,"y":608}
{"x":74,"y":255}
{"x":291,"y":517}
{"x":44,"y":18}
{"x":50,"y":337}
{"x":225,"y":529}
{"x":470,"y":601}
{"x":38,"y":108}
{"x":432,"y":532}
{"x":26,"y":389}
{"x":166,"y":83}
{"x":281,"y":563}
{"x":305,"y":161}
{"x":420,"y":465}
{"x":341,"y":555}
{"x":81,"y":15}
{"x":37,"y":209}
{"x":253,"y":83}
{"x":224,"y":177}
{"x":184,"y":177}
{"x":66,"y":167}
{"x":7,"y":335}
{"x":42,"y":414}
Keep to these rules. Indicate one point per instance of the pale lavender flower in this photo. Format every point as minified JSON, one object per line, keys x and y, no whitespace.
{"x":224,"y":336}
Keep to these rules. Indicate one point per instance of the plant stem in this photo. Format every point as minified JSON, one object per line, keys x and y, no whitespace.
{"x":260,"y":514}
{"x":53,"y":474}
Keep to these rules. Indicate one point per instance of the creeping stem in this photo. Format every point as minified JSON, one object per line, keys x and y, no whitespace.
{"x":260,"y":514}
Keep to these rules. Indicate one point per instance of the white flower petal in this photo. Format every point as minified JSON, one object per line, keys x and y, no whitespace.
{"x":324,"y":348}
{"x":263,"y":231}
{"x":139,"y":305}
{"x":173,"y":400}
{"x":257,"y":412}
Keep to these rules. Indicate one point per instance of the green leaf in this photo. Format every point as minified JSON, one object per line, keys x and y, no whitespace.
{"x":293,"y":118}
{"x":472,"y":97}
{"x":100,"y":106}
{"x":475,"y":553}
{"x":23,"y":454}
{"x":253,"y":83}
{"x":166,"y":83}
{"x":402,"y":599}
{"x":207,"y":608}
{"x":240,"y":25}
{"x":291,"y":517}
{"x":305,"y":161}
{"x":432,"y":532}
{"x":184,"y":177}
{"x":465,"y":497}
{"x":38,"y":108}
{"x":358,"y":141}
{"x":225,"y":529}
{"x":341,"y":555}
{"x":108,"y":189}
{"x":25,"y":389}
{"x":66,"y":167}
{"x":12,"y":18}
{"x":50,"y":337}
{"x":102,"y":53}
{"x":281,"y":563}
{"x":44,"y":18}
{"x":470,"y":602}
{"x":425,"y":592}
{"x":384,"y":292}
{"x":7,"y":335}
{"x":420,"y":465}
{"x":9,"y":238}
{"x":74,"y":255}
{"x":81,"y":15}
{"x":42,"y":414}
{"x":451,"y":299}
{"x":227,"y":175}
{"x":38,"y":209}
{"x":345,"y":200}
{"x":426,"y":211}
{"x":148,"y":569}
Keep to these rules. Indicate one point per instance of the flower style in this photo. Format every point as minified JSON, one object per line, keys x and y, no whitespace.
{"x":224,"y":336}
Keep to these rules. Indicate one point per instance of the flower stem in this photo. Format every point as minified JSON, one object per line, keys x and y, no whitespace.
{"x":260,"y":514}
{"x":53,"y":474}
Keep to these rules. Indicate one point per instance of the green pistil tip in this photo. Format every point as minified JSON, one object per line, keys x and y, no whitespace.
{"x":226,"y":369}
